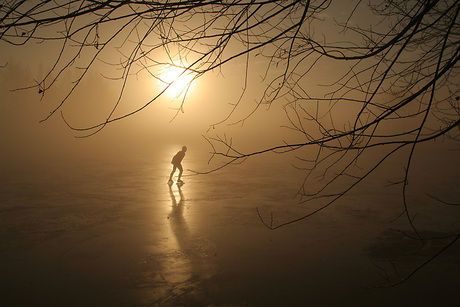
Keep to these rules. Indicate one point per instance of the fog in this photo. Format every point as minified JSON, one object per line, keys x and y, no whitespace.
{"x":90,"y":219}
{"x":159,"y":125}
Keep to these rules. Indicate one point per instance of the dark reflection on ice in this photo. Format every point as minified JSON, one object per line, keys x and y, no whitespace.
{"x":180,"y":270}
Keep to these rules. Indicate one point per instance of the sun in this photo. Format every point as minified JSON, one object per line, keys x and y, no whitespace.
{"x":176,"y":80}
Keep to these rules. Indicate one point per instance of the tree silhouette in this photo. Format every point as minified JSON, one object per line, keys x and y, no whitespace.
{"x":396,"y":73}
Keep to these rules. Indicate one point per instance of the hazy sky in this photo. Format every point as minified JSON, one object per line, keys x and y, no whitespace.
{"x":209,"y":101}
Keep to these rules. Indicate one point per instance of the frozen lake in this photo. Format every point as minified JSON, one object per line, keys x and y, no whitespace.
{"x":111,"y":232}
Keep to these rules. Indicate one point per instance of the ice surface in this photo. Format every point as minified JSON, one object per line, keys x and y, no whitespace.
{"x":114,"y":233}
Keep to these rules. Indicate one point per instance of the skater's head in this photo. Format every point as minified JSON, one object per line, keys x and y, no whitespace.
{"x":184,"y":148}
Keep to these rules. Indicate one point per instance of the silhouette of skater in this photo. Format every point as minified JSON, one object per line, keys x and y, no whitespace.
{"x":176,"y":162}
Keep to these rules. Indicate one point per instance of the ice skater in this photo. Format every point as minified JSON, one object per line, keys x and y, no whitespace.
{"x":176,"y":162}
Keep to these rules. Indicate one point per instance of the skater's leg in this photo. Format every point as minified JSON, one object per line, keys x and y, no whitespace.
{"x":181,"y":170}
{"x":172,"y":173}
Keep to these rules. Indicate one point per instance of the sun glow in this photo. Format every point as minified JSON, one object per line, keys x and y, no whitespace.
{"x":177,"y":81}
